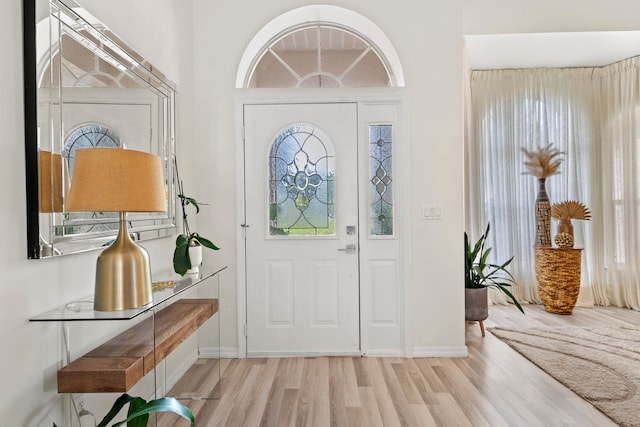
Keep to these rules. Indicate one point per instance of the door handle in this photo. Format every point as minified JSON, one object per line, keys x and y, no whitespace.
{"x":350,"y":249}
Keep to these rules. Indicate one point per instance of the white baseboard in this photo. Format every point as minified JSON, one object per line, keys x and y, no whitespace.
{"x":303,"y":354}
{"x":441,"y":351}
{"x":222,"y":352}
{"x":383,"y":353}
{"x":426,"y":351}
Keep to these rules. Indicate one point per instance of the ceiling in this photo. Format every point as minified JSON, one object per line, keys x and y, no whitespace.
{"x":586,"y":49}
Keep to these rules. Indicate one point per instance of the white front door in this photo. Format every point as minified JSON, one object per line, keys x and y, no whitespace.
{"x":301,"y":207}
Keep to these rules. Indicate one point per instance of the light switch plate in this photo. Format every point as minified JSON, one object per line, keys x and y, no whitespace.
{"x":431,"y":211}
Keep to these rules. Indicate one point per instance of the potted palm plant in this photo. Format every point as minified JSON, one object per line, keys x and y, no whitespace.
{"x":480,"y":274}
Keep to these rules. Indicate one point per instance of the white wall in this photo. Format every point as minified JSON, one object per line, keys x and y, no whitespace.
{"x":549,"y":33}
{"x":427,"y":36}
{"x":507,"y":16}
{"x":30,"y":354}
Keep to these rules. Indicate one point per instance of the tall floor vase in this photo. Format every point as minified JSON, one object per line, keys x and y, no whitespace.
{"x":543,"y":215}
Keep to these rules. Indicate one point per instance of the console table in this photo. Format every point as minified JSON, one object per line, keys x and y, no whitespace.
{"x":151,"y":333}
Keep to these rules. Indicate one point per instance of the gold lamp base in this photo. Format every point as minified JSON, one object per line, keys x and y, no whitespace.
{"x":123,"y":274}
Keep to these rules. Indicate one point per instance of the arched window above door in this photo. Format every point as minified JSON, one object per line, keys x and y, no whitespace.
{"x":320,"y":56}
{"x":319,"y":46}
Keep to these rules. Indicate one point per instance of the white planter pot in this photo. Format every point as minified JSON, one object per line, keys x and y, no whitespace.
{"x":195,"y":255}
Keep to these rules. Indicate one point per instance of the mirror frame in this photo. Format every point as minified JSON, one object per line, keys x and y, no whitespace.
{"x":162,"y":225}
{"x":30,"y":127}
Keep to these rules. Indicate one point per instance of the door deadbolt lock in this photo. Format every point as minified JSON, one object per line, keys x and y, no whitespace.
{"x":350,"y":249}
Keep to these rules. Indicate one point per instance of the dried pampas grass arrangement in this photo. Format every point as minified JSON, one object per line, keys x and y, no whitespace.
{"x":543,"y":162}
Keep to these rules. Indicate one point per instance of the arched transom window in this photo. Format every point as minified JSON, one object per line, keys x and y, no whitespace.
{"x":319,"y":56}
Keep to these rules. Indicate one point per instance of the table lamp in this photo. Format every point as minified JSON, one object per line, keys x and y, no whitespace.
{"x":118,"y":180}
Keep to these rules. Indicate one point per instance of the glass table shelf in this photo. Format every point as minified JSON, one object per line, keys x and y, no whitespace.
{"x":169,"y":286}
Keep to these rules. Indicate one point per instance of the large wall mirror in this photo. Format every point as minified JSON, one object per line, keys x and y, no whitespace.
{"x":84,"y":87}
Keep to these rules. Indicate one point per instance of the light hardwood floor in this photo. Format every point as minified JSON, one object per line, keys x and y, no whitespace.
{"x":494,"y":386}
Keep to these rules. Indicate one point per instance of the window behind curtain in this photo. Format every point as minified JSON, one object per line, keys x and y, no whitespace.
{"x":620,"y":85}
{"x":593,"y":114}
{"x":530,"y":108}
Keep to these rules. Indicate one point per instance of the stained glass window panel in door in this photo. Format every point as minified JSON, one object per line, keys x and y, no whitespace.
{"x":301,"y":183}
{"x":381,"y":180}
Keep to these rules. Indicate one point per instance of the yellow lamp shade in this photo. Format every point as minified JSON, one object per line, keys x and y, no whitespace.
{"x":116,"y":180}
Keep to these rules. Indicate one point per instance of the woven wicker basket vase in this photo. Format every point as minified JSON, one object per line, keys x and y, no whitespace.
{"x":558,"y":277}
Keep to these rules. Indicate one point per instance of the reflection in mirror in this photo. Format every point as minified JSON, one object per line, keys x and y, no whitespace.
{"x":84,"y":87}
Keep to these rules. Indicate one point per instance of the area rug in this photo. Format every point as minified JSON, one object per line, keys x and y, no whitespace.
{"x":600,"y":364}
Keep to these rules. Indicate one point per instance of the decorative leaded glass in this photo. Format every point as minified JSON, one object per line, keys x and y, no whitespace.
{"x":88,"y":136}
{"x":381,"y":178}
{"x":301,"y":183}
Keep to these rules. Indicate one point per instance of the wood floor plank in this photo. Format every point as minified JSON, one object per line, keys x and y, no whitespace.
{"x":447,"y":412}
{"x":427,"y":394}
{"x":233,"y":382}
{"x":288,"y":414}
{"x":383,"y":397}
{"x":321,"y":412}
{"x":337,"y":393}
{"x":260,"y":392}
{"x":313,"y":404}
{"x":351,"y":395}
{"x":370,"y":408}
{"x":402,"y":405}
{"x":274,"y":404}
{"x":409,"y":389}
{"x":493,"y":387}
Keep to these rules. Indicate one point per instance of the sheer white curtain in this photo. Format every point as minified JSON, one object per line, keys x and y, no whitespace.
{"x":620,"y":254}
{"x":530,"y":108}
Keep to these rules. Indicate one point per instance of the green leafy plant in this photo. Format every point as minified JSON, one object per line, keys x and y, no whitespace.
{"x":480,"y":273}
{"x":181,"y":258}
{"x":139,"y":410}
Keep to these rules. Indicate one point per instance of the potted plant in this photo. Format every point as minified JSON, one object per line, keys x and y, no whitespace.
{"x":189,"y":244}
{"x":480,"y":274}
{"x":139,"y":410}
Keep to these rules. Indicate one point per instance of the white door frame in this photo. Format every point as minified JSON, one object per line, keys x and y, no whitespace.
{"x":402,"y":178}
